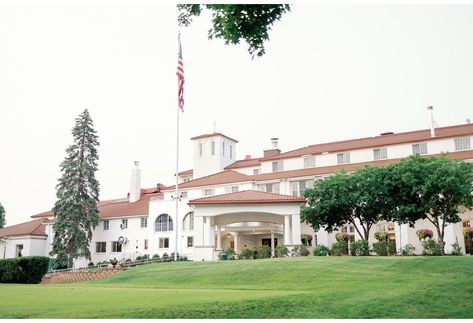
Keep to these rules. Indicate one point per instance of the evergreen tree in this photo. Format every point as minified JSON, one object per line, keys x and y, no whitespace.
{"x":75,"y":210}
{"x":2,"y":216}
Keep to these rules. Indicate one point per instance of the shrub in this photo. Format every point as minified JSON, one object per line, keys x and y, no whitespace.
{"x":431,"y":248}
{"x":222,"y":255}
{"x":339,"y":248}
{"x":341,"y":236}
{"x":360,"y":248}
{"x":456,"y":250}
{"x":156,"y":256}
{"x":24,"y":270}
{"x":55,"y":264}
{"x":321,"y":250}
{"x":138,"y":258}
{"x":171,"y":257}
{"x":408,"y":250}
{"x":300,"y":251}
{"x":165,"y":257}
{"x":183,"y":258}
{"x":246,"y":254}
{"x":263,"y":252}
{"x":468,"y":232}
{"x":145,"y":256}
{"x":383,"y":248}
{"x":90,"y":264}
{"x":281,"y":251}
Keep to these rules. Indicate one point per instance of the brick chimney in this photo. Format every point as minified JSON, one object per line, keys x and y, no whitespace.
{"x":135,"y":183}
{"x":274,"y":149}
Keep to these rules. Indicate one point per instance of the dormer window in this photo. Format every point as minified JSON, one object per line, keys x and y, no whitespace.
{"x":208,"y":192}
{"x":309,"y":161}
{"x":343,"y":158}
{"x":278,"y":166}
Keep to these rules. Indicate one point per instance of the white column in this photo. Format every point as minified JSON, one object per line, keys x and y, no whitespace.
{"x":314,"y":239}
{"x":219,"y":238}
{"x":206,"y":231}
{"x":287,"y":230}
{"x":272,"y":244}
{"x":235,"y":242}
{"x":296,"y":229}
{"x":449,"y":237}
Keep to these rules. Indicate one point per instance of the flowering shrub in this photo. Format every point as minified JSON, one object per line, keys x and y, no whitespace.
{"x":339,"y":248}
{"x":321,"y":250}
{"x":424,"y":234}
{"x":468,"y":232}
{"x":360,"y":248}
{"x":381,"y":235}
{"x":341,"y":236}
{"x":431,"y":248}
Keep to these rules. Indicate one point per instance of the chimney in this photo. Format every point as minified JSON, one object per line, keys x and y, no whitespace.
{"x":432,"y":122}
{"x":247,"y":157}
{"x":274,"y":149}
{"x":135,"y":184}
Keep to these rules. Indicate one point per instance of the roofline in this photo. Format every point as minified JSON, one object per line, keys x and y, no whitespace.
{"x":248,"y":202}
{"x":290,"y":199}
{"x":209,"y":135}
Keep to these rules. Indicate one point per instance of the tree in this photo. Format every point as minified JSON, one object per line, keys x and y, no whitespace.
{"x":2,"y":216}
{"x":359,"y":199}
{"x":235,"y":22}
{"x":436,"y":189}
{"x":75,"y":210}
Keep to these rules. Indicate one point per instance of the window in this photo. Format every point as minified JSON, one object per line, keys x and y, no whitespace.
{"x":270,"y":188}
{"x":188,"y":222}
{"x":124,"y":224}
{"x":278,"y":166}
{"x":163,"y":243}
{"x":231,"y":189}
{"x":144,"y":222}
{"x":223,"y":148}
{"x":343,"y":158}
{"x":201,"y":149}
{"x":380,"y":153}
{"x":231,"y":151}
{"x":100,"y":247}
{"x":106,"y":224}
{"x":116,"y":246}
{"x":208,"y":192}
{"x":298,"y":187}
{"x":256,"y":171}
{"x":390,"y":227}
{"x":184,"y":195}
{"x":190,"y":242}
{"x":462,"y":143}
{"x":163,"y":223}
{"x":19,"y":250}
{"x":419,"y":149}
{"x":145,"y":244}
{"x":309,"y":161}
{"x":213,"y":147}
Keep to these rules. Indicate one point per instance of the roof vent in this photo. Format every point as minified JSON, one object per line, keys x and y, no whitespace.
{"x":386,"y":133}
{"x":468,"y":121}
{"x":247,"y":157}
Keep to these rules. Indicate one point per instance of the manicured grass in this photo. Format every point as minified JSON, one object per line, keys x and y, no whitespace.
{"x":311,"y":287}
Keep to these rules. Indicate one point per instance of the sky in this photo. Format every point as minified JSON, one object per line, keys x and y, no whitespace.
{"x":331,"y":72}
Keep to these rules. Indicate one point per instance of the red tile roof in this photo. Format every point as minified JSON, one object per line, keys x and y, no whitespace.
{"x":227,"y":176}
{"x":186,"y":172}
{"x":247,"y":197}
{"x":244,"y":163}
{"x":33,"y":228}
{"x":209,"y":135}
{"x":118,"y":207}
{"x":378,"y":141}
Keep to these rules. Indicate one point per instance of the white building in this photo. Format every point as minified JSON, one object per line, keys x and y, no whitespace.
{"x":225,"y":202}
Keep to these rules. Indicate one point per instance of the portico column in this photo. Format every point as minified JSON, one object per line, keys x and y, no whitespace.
{"x":272,"y":244}
{"x":235,"y":242}
{"x":296,"y":229}
{"x":287,"y":230}
{"x":219,"y":238}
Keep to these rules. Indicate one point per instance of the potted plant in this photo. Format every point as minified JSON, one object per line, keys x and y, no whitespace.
{"x":468,"y":232}
{"x":341,"y":236}
{"x":423,"y":234}
{"x":381,"y":236}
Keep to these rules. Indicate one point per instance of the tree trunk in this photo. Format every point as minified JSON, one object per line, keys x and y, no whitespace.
{"x":70,"y":262}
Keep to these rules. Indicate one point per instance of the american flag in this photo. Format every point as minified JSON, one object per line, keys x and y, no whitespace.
{"x":180,"y":77}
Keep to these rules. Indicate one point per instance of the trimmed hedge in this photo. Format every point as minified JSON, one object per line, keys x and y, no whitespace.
{"x":23,"y":270}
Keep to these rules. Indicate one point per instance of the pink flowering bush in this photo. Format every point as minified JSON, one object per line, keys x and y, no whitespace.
{"x":341,"y":236}
{"x":468,"y":232}
{"x":381,"y":236}
{"x":424,"y":234}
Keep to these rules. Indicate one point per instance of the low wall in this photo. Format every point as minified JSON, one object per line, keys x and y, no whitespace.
{"x":75,"y":277}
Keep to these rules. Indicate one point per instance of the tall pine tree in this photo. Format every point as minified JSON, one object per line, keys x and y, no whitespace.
{"x":75,"y":210}
{"x":2,"y":216}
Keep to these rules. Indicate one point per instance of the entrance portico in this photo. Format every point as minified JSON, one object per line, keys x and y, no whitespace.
{"x":246,"y":219}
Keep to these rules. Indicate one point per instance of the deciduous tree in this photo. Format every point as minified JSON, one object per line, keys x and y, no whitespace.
{"x":2,"y":216}
{"x":236,"y":22}
{"x":75,"y":210}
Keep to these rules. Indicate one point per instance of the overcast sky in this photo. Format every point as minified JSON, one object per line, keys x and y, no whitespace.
{"x":331,"y":72}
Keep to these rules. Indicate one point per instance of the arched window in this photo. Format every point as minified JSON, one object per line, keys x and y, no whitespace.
{"x":188,"y":222}
{"x":163,"y":223}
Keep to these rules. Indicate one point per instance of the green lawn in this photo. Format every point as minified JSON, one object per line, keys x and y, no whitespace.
{"x":311,"y":287}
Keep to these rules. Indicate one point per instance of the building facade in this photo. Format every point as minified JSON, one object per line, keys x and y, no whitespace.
{"x":224,"y":202}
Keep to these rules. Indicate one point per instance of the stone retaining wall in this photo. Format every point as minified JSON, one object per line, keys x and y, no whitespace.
{"x":75,"y":277}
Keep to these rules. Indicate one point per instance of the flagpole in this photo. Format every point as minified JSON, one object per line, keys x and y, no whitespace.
{"x":177,"y":182}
